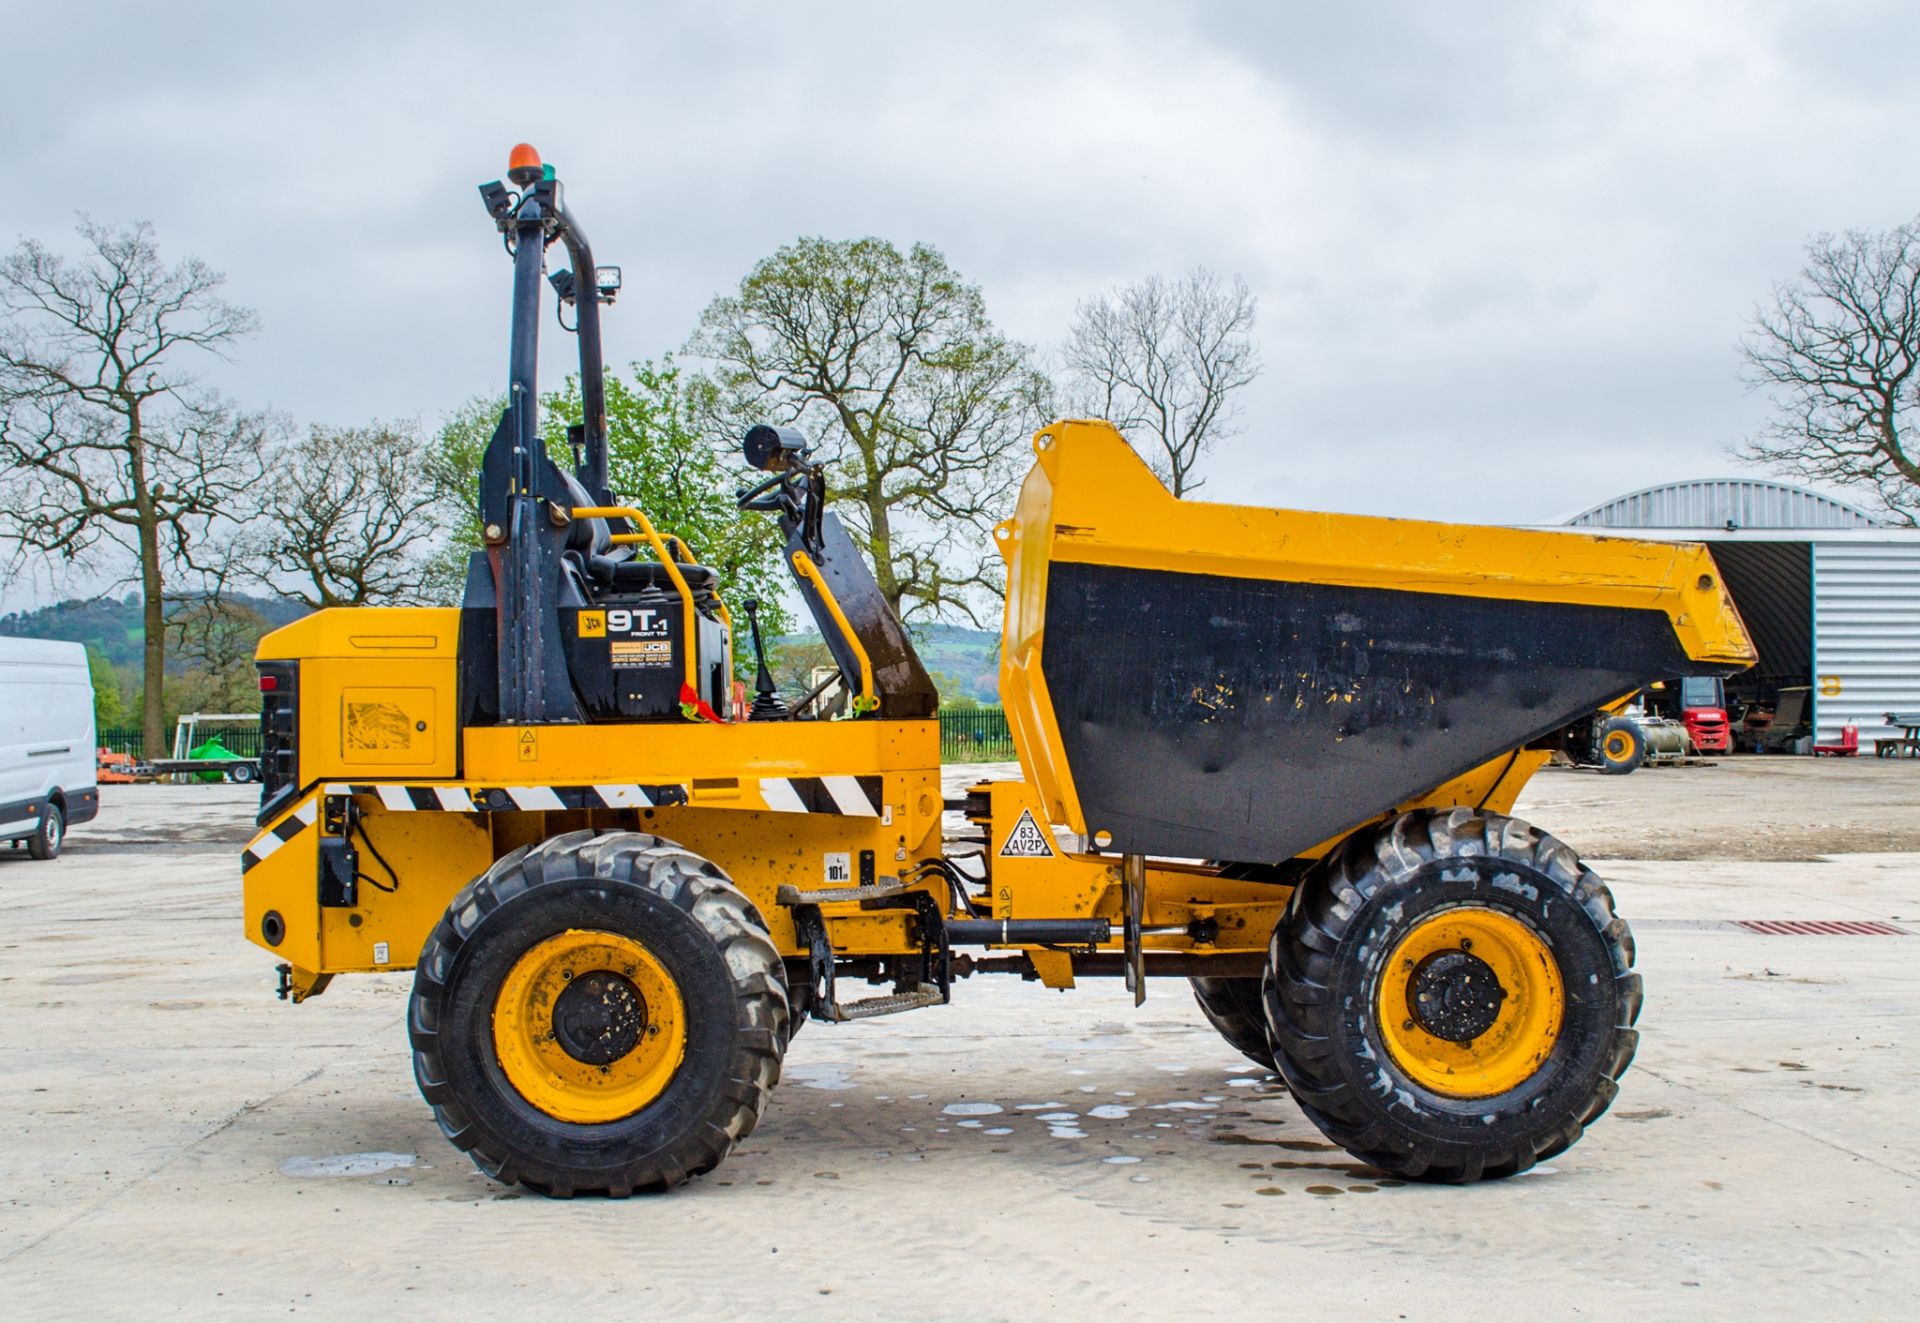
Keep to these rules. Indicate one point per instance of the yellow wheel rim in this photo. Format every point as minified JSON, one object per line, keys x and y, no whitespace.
{"x":1470,"y":1003}
{"x":589,"y":1026}
{"x":1618,"y":746}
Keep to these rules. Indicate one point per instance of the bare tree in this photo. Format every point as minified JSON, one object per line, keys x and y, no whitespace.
{"x":215,"y":636}
{"x":109,"y":440}
{"x":348,"y":516}
{"x":1838,"y":349}
{"x":1162,"y":360}
{"x":889,"y":361}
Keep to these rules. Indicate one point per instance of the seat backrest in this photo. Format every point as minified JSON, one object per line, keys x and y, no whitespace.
{"x":589,"y":537}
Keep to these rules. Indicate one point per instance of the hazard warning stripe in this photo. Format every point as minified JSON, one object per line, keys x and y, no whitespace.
{"x":843,"y":796}
{"x":847,"y":796}
{"x":263,"y":845}
{"x":507,"y":799}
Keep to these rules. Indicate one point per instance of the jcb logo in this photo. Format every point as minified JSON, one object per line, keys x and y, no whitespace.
{"x":593,"y":624}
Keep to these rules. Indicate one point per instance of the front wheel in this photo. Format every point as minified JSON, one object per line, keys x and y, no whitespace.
{"x":598,"y":1014}
{"x":1451,"y":997}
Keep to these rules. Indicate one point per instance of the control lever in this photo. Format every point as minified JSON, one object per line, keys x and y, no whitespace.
{"x":767,"y":704}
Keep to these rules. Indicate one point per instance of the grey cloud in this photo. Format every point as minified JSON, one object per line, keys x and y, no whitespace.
{"x":1502,"y":252}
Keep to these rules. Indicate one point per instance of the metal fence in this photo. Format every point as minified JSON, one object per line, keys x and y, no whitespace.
{"x":975,"y":735}
{"x":243,"y":740}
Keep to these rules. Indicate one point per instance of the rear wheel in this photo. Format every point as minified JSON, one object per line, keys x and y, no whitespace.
{"x":1623,"y":746}
{"x":52,"y":832}
{"x":1452,"y":997}
{"x":598,"y":1014}
{"x":1232,"y":1006}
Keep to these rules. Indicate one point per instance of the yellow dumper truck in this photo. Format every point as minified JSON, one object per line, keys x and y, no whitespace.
{"x":1268,"y":751}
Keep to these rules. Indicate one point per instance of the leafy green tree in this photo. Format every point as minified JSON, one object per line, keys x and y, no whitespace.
{"x":656,"y":459}
{"x":889,"y":362}
{"x":109,"y":708}
{"x":953,"y":694}
{"x":793,"y":662}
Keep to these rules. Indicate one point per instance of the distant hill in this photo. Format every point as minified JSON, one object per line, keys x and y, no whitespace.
{"x":111,"y":626}
{"x":969,"y":659}
{"x":965,"y":661}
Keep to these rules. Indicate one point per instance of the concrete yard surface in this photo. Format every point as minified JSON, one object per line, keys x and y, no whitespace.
{"x":176,"y":1142}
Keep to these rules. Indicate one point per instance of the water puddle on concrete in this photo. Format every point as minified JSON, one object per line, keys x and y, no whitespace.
{"x":346,"y":1164}
{"x":973,"y":1109}
{"x":820,"y":1075}
{"x":1110,"y":1112}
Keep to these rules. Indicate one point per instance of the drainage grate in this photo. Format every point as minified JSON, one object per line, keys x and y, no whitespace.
{"x":1821,"y":927}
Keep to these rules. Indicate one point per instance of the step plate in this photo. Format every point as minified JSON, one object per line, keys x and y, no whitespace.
{"x":886,"y":886}
{"x":893,"y":1004}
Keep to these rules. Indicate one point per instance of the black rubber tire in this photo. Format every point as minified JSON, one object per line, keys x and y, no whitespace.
{"x":799,"y":996}
{"x":1328,"y":954}
{"x":50,"y":835}
{"x":242,"y":774}
{"x":1635,"y":755}
{"x":1233,"y":1006}
{"x":710,"y":939}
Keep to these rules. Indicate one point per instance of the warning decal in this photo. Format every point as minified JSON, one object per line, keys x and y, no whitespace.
{"x":1027,"y":840}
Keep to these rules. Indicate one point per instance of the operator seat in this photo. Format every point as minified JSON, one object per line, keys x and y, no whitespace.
{"x":601,"y":567}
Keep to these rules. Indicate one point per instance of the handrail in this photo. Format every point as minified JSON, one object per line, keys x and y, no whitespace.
{"x":683,"y":550}
{"x":803,"y":566}
{"x":689,"y":614}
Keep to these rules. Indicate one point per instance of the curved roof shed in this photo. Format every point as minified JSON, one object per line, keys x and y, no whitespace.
{"x":1728,"y":504}
{"x":1830,"y":592}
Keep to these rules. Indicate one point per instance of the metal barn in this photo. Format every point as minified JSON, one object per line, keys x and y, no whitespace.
{"x":1829,"y":592}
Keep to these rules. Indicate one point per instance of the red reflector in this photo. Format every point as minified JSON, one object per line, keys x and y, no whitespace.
{"x":269,"y":683}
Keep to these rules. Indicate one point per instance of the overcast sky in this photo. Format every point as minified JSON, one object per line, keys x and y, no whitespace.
{"x":1503,"y":252}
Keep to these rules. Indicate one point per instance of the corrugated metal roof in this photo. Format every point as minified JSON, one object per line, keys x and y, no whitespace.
{"x":1866,"y":608}
{"x":1723,"y":503}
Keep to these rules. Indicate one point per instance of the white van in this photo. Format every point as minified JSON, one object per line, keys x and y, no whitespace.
{"x":46,"y":743}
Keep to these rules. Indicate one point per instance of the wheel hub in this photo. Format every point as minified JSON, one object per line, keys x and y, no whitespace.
{"x":599,"y":1017}
{"x":1455,"y":995}
{"x":1470,"y":1001}
{"x":589,"y":1026}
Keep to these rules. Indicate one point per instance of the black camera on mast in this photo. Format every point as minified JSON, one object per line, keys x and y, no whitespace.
{"x":775,"y":449}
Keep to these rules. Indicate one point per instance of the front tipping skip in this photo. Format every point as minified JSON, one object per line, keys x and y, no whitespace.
{"x":1266,"y":750}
